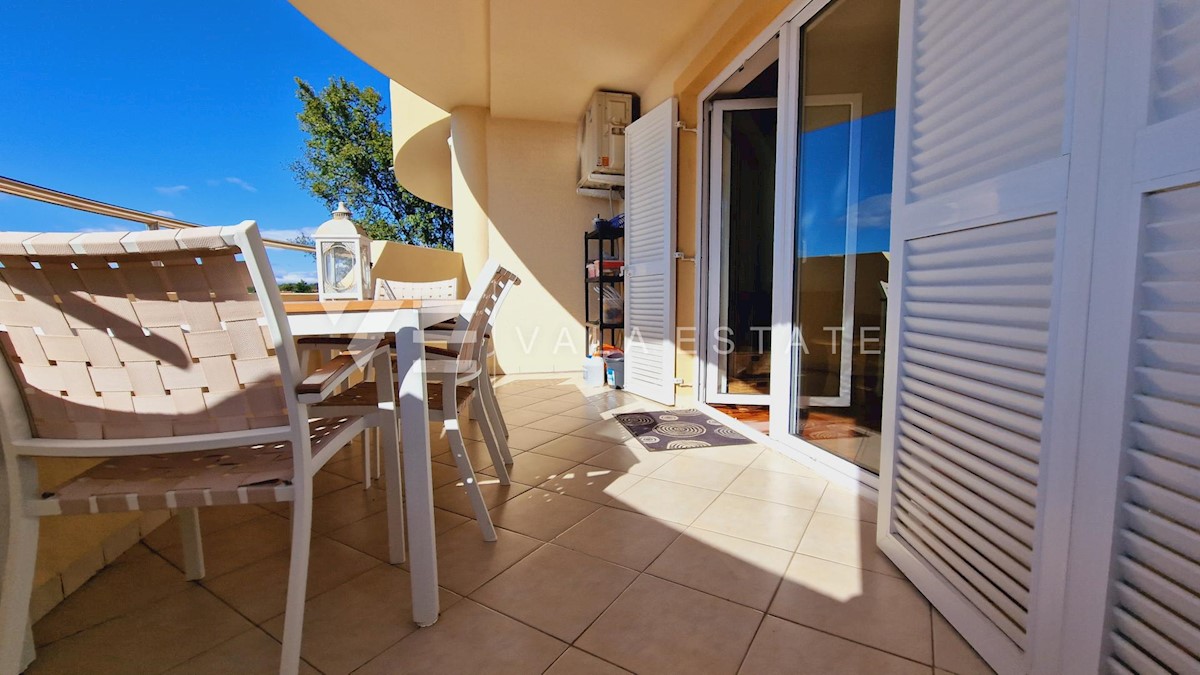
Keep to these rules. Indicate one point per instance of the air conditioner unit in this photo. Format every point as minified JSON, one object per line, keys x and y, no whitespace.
{"x":602,"y":140}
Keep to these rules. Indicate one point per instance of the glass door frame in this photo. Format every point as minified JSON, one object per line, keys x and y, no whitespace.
{"x":787,"y":155}
{"x":787,"y":29}
{"x":715,"y":259}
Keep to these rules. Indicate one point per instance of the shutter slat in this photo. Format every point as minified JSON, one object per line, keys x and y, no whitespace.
{"x":1156,"y":587}
{"x":988,"y":91}
{"x":993,"y":454}
{"x":1176,"y":81}
{"x":975,"y":322}
{"x":982,"y":542}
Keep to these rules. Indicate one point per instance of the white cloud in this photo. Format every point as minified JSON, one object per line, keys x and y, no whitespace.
{"x":164,"y":213}
{"x":241,"y":183}
{"x":281,"y":235}
{"x":171,"y":191}
{"x":293,"y":277}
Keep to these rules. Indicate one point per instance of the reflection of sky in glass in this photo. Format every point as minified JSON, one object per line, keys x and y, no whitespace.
{"x":824,"y":172}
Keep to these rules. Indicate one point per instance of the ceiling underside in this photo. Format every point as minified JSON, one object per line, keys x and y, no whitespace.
{"x":524,"y":59}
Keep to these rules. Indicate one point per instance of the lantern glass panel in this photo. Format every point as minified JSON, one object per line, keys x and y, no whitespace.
{"x":340,"y":263}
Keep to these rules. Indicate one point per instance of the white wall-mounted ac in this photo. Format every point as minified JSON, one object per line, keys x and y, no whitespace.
{"x":602,"y":140}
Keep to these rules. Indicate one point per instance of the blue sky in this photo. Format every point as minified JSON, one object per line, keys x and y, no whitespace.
{"x":186,"y":108}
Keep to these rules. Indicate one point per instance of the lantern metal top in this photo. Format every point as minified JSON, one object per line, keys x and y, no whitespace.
{"x":339,"y":225}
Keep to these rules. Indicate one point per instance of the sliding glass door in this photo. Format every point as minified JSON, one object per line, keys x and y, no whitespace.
{"x":831,"y":288}
{"x":741,"y":232}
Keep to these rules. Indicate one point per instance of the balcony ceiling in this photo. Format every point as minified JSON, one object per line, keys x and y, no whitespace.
{"x":525,"y":59}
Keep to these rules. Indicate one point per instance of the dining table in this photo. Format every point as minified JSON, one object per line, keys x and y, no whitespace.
{"x":407,"y":320}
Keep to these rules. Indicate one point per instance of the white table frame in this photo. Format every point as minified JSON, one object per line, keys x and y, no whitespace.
{"x":408,"y":325}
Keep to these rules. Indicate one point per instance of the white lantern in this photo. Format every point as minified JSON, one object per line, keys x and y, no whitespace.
{"x":343,"y":258}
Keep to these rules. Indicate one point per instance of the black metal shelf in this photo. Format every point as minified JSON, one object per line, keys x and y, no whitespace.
{"x":608,"y":243}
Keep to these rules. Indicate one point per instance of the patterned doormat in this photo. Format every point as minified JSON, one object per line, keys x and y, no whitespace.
{"x":679,"y":429}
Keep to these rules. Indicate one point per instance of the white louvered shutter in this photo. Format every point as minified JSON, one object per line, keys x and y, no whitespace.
{"x":1154,"y":602}
{"x":650,"y":155}
{"x":979,"y":186}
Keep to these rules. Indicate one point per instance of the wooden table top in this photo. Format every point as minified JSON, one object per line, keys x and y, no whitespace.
{"x":342,"y":306}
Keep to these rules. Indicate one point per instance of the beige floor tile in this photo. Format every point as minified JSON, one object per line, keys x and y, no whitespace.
{"x":515,"y":401}
{"x":541,"y":514}
{"x":466,"y":561}
{"x":798,"y":491}
{"x":532,"y":468}
{"x":952,"y":653}
{"x":847,"y":503}
{"x":573,"y":448}
{"x":348,"y":625}
{"x":735,"y":569}
{"x":522,"y":417}
{"x":605,"y":430}
{"x":454,"y":497}
{"x":845,"y":540}
{"x":553,"y":406}
{"x":470,"y":638}
{"x":124,"y":587}
{"x":874,"y":609}
{"x":587,"y":412}
{"x":661,"y":499}
{"x":477,"y":451}
{"x":578,"y":662}
{"x":591,"y":482}
{"x":756,"y":520}
{"x":444,"y":474}
{"x":632,"y":457}
{"x":157,"y":637}
{"x":348,"y":505}
{"x":783,"y":648}
{"x":702,"y":473}
{"x":660,"y":627}
{"x":740,"y":455}
{"x":212,"y":520}
{"x":772,"y":460}
{"x":560,"y":424}
{"x":240,"y":545}
{"x":524,"y":438}
{"x":251,"y":653}
{"x":259,"y":590}
{"x":370,"y":534}
{"x":622,"y":537}
{"x":556,"y":590}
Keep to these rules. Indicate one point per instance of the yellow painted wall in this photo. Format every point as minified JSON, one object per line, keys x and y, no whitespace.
{"x":402,"y":262}
{"x":537,"y":226}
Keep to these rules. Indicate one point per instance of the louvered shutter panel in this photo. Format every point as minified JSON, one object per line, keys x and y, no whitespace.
{"x":1154,"y":619}
{"x":981,"y":109}
{"x":650,"y":155}
{"x":987,"y":90}
{"x":1156,"y":612}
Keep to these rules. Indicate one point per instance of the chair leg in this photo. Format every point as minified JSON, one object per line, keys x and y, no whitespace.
{"x":366,"y":455}
{"x":465,"y":471}
{"x":20,"y":561}
{"x":193,"y":546}
{"x":389,"y":445}
{"x":490,"y":397}
{"x":297,"y":588}
{"x":491,"y":438}
{"x":492,"y":410}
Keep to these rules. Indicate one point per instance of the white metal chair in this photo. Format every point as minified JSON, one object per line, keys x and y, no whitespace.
{"x":456,"y":382}
{"x":167,"y":354}
{"x":385,"y":289}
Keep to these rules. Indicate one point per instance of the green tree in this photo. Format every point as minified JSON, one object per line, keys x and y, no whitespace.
{"x":348,"y":157}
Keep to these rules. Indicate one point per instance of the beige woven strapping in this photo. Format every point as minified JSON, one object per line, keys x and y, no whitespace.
{"x":386,"y":289}
{"x":136,"y":335}
{"x":246,"y":475}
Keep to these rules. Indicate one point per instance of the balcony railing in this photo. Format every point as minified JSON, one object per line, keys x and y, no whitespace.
{"x":150,"y":220}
